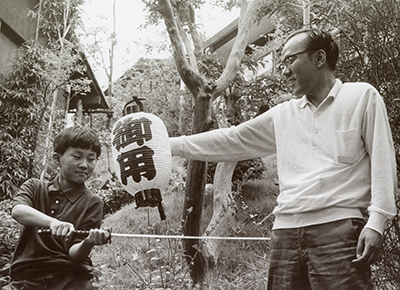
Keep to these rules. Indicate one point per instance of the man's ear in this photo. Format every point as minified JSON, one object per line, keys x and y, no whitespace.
{"x":320,"y":58}
{"x":56,"y":159}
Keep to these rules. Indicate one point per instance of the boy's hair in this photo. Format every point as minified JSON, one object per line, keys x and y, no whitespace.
{"x":320,"y":39}
{"x":77,"y":137}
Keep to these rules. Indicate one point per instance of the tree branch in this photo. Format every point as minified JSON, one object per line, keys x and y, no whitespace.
{"x":191,"y":79}
{"x":247,"y":18}
{"x":198,"y":46}
{"x":188,"y":46}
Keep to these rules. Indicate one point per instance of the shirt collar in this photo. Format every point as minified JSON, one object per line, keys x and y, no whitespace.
{"x":72,"y":194}
{"x":332,"y":94}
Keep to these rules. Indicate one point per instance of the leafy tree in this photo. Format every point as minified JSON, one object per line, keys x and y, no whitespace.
{"x":57,"y":21}
{"x":99,"y":36}
{"x":26,"y":93}
{"x":19,"y":104}
{"x":157,"y":83}
{"x":179,"y":19}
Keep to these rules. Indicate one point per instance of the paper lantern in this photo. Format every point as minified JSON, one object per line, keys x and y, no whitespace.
{"x":142,"y":155}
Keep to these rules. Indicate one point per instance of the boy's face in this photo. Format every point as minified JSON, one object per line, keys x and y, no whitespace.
{"x":76,"y":165}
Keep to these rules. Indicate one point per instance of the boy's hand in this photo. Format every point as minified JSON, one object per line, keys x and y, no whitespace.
{"x":61,"y":230}
{"x":98,"y":237}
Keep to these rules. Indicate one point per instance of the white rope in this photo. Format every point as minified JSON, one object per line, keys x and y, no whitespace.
{"x":189,"y":237}
{"x":42,"y":231}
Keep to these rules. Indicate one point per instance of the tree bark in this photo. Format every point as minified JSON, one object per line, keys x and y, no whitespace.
{"x":49,"y":133}
{"x":247,"y":18}
{"x":223,"y":211}
{"x":204,"y":93}
{"x":197,"y":170}
{"x":223,"y":203}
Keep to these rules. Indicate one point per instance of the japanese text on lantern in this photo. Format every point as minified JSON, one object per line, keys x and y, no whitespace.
{"x":139,"y":161}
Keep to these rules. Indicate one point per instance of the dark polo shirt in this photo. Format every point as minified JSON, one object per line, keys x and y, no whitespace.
{"x":37,"y":255}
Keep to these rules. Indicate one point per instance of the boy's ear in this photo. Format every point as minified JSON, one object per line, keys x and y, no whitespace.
{"x":56,"y":159}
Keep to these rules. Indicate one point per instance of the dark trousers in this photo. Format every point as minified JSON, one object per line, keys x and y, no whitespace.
{"x":51,"y":282}
{"x":318,"y":257}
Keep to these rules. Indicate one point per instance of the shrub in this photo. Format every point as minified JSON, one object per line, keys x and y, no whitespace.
{"x":256,"y":164}
{"x":114,"y":196}
{"x":160,"y":263}
{"x":9,"y":234}
{"x":386,"y":271}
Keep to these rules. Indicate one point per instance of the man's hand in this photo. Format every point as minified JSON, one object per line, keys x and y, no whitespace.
{"x":369,"y":245}
{"x":61,"y":230}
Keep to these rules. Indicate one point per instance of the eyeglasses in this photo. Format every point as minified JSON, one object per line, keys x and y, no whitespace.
{"x":289,"y":60}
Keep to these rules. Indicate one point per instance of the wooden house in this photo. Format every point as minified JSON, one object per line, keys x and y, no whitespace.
{"x":16,"y":27}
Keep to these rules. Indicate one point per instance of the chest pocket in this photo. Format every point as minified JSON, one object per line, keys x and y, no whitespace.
{"x":348,"y":146}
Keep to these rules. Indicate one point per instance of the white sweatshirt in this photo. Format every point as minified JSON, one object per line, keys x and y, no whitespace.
{"x":333,"y":161}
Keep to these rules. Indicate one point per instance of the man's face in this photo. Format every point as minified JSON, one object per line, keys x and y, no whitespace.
{"x":76,"y":165}
{"x":298,"y":67}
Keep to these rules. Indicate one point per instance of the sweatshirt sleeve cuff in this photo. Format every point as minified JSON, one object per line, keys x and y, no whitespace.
{"x":377,"y":222}
{"x":175,"y":144}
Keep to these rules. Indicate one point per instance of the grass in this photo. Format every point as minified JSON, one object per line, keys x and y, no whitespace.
{"x":129,"y":263}
{"x":132,"y":263}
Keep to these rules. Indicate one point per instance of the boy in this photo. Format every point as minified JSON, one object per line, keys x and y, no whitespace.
{"x":59,"y":260}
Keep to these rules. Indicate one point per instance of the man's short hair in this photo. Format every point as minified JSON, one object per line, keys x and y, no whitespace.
{"x":77,"y":137}
{"x":320,"y":39}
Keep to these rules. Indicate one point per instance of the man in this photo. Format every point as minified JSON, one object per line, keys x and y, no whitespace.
{"x":335,"y":160}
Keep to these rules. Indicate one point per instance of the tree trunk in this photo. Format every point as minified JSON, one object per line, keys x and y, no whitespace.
{"x":111,"y":53}
{"x":49,"y":133}
{"x":203,"y":94}
{"x":195,"y":187}
{"x":197,"y":171}
{"x":79,"y":112}
{"x":223,"y":211}
{"x":192,"y":212}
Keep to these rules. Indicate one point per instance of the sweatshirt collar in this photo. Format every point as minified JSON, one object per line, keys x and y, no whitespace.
{"x":303,"y":102}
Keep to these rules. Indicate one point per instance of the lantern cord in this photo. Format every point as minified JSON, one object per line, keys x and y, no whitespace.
{"x":86,"y":233}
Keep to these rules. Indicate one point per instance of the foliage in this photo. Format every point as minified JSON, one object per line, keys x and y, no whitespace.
{"x":256,"y":166}
{"x":369,"y":39}
{"x":21,"y":103}
{"x":24,"y":97}
{"x":159,"y":263}
{"x":379,"y":41}
{"x":58,"y":20}
{"x":114,"y":196}
{"x":26,"y":92}
{"x":9,"y":233}
{"x":157,"y":83}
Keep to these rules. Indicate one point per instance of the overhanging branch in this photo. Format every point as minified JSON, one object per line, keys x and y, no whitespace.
{"x":247,"y":18}
{"x":191,"y":79}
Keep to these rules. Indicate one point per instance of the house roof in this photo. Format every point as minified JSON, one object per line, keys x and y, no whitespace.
{"x":94,"y":100}
{"x":17,"y":27}
{"x":223,"y":40}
